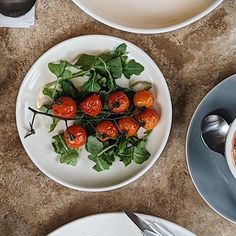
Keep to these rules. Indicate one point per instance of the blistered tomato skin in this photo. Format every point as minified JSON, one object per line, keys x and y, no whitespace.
{"x":148,"y":118}
{"x":75,"y":136}
{"x":106,"y":130}
{"x":128,"y":126}
{"x":64,"y":107}
{"x":144,"y":98}
{"x":92,"y":105}
{"x":118,"y":102}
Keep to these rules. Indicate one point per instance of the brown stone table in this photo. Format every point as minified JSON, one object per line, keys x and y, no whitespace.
{"x":193,"y":60}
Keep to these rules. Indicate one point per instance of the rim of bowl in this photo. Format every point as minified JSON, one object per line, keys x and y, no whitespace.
{"x":155,"y":156}
{"x":119,"y":213}
{"x":186,"y":148}
{"x":229,"y":148}
{"x":151,"y":30}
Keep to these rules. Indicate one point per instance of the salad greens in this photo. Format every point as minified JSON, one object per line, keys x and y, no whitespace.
{"x":102,"y":72}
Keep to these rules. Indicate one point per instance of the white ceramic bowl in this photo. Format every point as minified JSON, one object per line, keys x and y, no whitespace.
{"x":114,"y":224}
{"x":38,"y":146}
{"x":229,"y":148}
{"x":147,"y":16}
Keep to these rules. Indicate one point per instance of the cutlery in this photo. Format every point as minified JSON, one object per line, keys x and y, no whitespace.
{"x":147,"y":229}
{"x":214,"y":130}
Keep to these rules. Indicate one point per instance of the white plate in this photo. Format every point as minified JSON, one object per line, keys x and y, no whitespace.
{"x":114,"y":224}
{"x":38,"y":146}
{"x":147,"y":16}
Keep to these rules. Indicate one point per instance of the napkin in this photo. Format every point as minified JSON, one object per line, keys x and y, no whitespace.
{"x":24,"y":21}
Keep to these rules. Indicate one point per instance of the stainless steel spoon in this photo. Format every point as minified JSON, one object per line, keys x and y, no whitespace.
{"x":15,"y":8}
{"x":214,"y":132}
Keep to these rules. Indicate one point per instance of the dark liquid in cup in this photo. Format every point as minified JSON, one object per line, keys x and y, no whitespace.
{"x":15,"y":8}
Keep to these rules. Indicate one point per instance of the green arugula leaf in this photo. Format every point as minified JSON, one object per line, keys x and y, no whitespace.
{"x":106,"y":56}
{"x":67,"y":155}
{"x":67,"y":74}
{"x":124,"y":60}
{"x":53,"y":124}
{"x":101,"y":165}
{"x":86,"y":61}
{"x":124,"y":153}
{"x":111,"y":84}
{"x":134,"y":141}
{"x":50,"y":93}
{"x":147,"y":134}
{"x":93,"y":145}
{"x":100,"y":67}
{"x":103,"y":82}
{"x":127,"y":157}
{"x":109,"y":156}
{"x":115,"y":67}
{"x":46,"y":108}
{"x":57,"y":69}
{"x":102,"y":159}
{"x":104,"y":71}
{"x":132,"y":68}
{"x":121,"y":49}
{"x":92,"y":85}
{"x":68,"y":89}
{"x":141,"y":154}
{"x":145,"y":84}
{"x":59,"y":144}
{"x":70,"y":157}
{"x":121,"y":147}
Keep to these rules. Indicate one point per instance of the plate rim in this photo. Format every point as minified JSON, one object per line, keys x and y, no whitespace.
{"x":110,"y":23}
{"x":186,"y":147}
{"x":144,"y":216}
{"x":156,"y":155}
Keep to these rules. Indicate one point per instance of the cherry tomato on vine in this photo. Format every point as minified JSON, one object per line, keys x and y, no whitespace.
{"x":148,"y":118}
{"x":75,"y":136}
{"x":64,"y":107}
{"x":92,"y":105}
{"x":144,"y":98}
{"x":106,"y":130}
{"x":118,"y":102}
{"x":128,"y":126}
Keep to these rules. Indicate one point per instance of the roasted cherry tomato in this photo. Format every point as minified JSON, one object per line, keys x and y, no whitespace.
{"x":75,"y":136}
{"x":92,"y":105}
{"x":128,"y":126}
{"x":148,"y":118}
{"x":118,"y":102}
{"x":144,"y":98}
{"x":64,"y":107}
{"x":106,"y":130}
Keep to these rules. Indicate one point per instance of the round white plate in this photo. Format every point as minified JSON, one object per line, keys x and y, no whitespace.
{"x":38,"y":146}
{"x":114,"y":224}
{"x":147,"y":16}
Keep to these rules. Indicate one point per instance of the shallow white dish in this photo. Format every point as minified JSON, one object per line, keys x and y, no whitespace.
{"x":38,"y":146}
{"x":148,"y":17}
{"x":114,"y":224}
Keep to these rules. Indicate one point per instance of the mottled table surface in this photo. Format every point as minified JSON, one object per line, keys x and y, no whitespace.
{"x":193,"y":60}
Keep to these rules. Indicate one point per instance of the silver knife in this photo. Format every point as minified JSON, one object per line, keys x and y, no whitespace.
{"x":142,"y":225}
